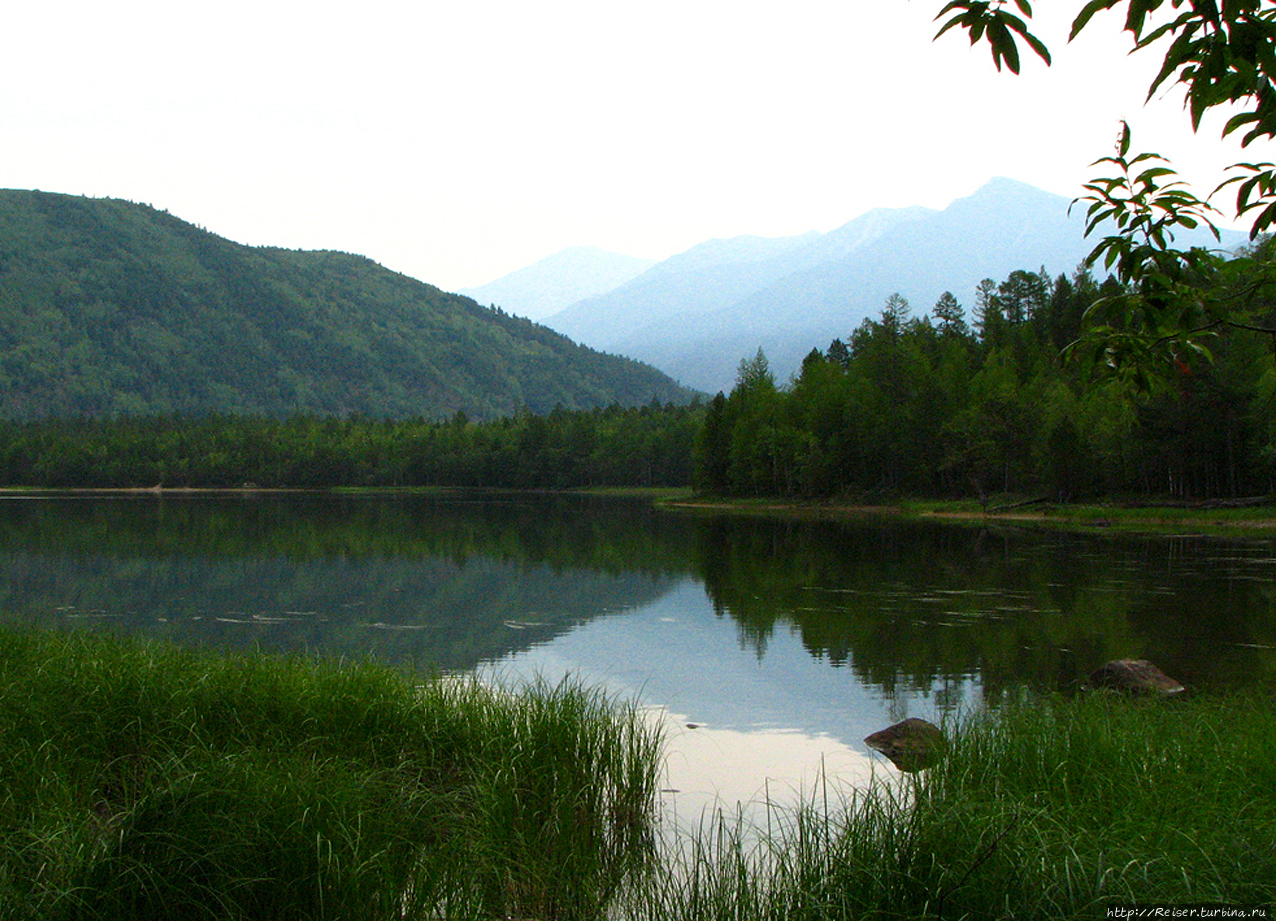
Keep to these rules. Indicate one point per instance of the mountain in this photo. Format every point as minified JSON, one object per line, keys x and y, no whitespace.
{"x":109,"y":307}
{"x":557,"y":281}
{"x":696,"y":315}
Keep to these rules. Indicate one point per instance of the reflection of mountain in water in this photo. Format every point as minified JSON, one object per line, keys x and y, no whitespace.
{"x":434,"y":582}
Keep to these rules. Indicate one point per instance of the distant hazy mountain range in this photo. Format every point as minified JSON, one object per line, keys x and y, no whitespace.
{"x":558,"y":281}
{"x":109,"y":307}
{"x":697,"y":314}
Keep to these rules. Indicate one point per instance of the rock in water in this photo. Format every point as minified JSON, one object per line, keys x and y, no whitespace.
{"x":911,"y":745}
{"x":1135,"y":676}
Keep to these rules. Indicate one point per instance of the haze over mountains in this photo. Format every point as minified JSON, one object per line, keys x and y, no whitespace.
{"x":558,"y":281}
{"x":697,"y":314}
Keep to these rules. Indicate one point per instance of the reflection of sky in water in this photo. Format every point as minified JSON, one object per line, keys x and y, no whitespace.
{"x":763,"y":723}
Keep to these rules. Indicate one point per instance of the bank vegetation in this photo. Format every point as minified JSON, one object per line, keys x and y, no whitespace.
{"x":145,"y":781}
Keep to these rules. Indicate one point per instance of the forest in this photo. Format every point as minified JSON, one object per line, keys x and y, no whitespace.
{"x":997,"y":402}
{"x":1003,"y":403}
{"x":614,"y":446}
{"x":110,"y":308}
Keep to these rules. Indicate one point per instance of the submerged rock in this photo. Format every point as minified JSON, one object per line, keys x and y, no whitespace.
{"x":1135,"y":676}
{"x":911,"y":745}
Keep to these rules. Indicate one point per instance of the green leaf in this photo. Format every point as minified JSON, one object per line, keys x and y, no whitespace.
{"x":1038,"y":46}
{"x":1087,"y":12}
{"x":1236,"y":121}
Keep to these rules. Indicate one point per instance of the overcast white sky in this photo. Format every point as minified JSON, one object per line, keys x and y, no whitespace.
{"x":459,"y":141}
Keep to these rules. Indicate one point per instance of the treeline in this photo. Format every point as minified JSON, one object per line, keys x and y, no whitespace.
{"x":940,"y":406}
{"x":615,"y":446}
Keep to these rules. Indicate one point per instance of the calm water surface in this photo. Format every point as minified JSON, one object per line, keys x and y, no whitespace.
{"x":782,"y":643}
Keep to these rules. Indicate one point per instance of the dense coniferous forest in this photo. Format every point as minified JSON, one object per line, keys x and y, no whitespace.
{"x":111,"y":308}
{"x":957,"y":404}
{"x":615,"y":446}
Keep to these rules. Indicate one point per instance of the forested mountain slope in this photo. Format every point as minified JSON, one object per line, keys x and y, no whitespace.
{"x":110,"y":307}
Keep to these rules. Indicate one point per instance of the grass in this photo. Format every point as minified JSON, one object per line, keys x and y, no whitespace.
{"x":144,"y":781}
{"x":1049,"y":809}
{"x":1141,"y":518}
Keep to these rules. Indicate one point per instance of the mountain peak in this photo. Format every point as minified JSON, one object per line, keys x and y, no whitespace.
{"x":1000,"y":189}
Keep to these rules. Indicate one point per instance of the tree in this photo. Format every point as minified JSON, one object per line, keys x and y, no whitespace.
{"x":951,"y":316}
{"x":895,"y":313}
{"x":988,"y":317}
{"x":1023,"y":295}
{"x":839,"y":354}
{"x":754,"y":374}
{"x":1222,"y":56}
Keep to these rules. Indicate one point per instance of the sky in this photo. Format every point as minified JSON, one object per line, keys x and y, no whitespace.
{"x":456,"y":142}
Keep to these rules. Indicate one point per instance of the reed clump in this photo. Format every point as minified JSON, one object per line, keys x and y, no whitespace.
{"x":1056,"y":808}
{"x":145,"y":781}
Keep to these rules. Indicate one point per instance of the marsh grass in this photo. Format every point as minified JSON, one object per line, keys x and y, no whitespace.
{"x":1044,"y":809}
{"x":144,"y":781}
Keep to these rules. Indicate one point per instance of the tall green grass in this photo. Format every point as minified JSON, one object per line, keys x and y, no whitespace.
{"x":144,"y":781}
{"x":1048,"y":809}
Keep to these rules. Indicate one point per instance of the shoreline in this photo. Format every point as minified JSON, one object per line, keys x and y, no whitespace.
{"x":1249,"y":517}
{"x":1177,"y":519}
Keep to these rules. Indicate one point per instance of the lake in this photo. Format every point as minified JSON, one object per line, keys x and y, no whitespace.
{"x":770,"y":646}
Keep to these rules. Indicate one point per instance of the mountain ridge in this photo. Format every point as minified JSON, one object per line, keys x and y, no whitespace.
{"x":555,"y":282}
{"x":697,"y":324}
{"x":109,"y":307}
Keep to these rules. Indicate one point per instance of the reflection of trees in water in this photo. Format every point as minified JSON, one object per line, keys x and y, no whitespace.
{"x":427,"y":582}
{"x":911,"y":607}
{"x":451,"y":580}
{"x":563,"y":530}
{"x":427,"y":613}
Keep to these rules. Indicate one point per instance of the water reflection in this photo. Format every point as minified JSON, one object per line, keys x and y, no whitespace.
{"x":789,"y":632}
{"x":908,"y":605}
{"x":743,"y":727}
{"x":430,"y":583}
{"x":450,"y":581}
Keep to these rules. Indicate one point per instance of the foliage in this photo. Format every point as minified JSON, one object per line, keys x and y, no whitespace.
{"x":613,"y":446}
{"x":991,"y":20}
{"x":109,"y":308}
{"x":1221,"y":55}
{"x":911,"y":408}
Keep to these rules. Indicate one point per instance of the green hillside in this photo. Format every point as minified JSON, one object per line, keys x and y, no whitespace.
{"x":109,"y":307}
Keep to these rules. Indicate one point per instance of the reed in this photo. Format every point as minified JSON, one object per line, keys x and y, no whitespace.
{"x":1042,"y":809}
{"x":145,"y":781}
